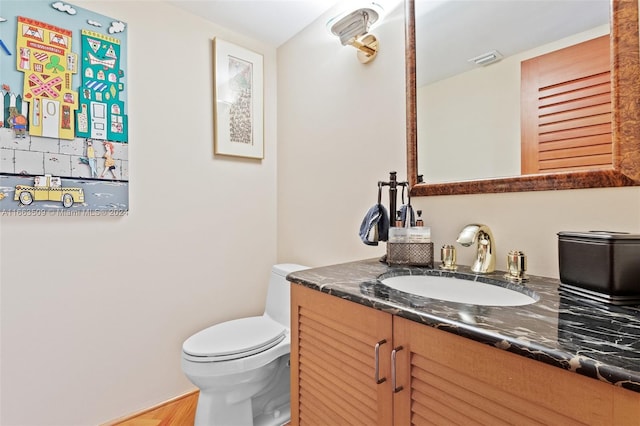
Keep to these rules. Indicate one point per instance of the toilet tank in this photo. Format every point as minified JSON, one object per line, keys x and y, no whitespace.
{"x":278,"y":304}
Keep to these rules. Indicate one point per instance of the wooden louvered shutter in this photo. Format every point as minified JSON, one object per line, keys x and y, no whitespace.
{"x":333,"y":361}
{"x":454,"y":380}
{"x":566,"y":109}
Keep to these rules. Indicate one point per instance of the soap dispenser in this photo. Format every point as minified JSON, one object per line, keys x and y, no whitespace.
{"x":398,"y":233}
{"x":420,"y":233}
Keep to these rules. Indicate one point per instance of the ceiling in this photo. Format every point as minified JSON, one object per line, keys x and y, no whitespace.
{"x":449,"y":33}
{"x":272,"y":21}
{"x":457,"y":29}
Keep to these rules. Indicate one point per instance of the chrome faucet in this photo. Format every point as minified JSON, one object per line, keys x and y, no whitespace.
{"x":485,"y":259}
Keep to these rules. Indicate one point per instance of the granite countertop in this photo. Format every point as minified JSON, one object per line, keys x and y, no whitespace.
{"x":561,"y":329}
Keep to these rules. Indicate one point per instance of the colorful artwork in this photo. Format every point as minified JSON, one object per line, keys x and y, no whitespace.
{"x":101,"y":113}
{"x":48,"y":188}
{"x":44,"y":51}
{"x":63,"y":113}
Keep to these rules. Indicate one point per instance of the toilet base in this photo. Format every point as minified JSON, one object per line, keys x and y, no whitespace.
{"x":269,"y":398}
{"x":280,"y":416}
{"x":212,"y":411}
{"x":239,"y":414}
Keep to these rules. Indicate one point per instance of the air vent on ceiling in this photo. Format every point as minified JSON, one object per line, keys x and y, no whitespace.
{"x":486,"y":58}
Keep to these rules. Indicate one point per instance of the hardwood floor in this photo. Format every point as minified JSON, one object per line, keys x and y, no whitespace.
{"x":179,"y":411}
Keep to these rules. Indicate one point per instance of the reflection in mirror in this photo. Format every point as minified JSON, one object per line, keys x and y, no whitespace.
{"x":468,"y":114}
{"x":469,"y":147}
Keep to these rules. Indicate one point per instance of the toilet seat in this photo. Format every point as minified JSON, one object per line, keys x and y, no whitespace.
{"x":234,"y":339}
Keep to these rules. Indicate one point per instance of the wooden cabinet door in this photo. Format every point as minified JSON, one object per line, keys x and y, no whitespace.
{"x":333,"y":361}
{"x":447,"y":379}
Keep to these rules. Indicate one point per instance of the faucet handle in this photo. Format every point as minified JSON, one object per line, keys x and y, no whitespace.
{"x":517,"y":266}
{"x":448,"y":257}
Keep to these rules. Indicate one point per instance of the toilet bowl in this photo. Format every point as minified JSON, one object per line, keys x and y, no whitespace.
{"x":242,"y":366}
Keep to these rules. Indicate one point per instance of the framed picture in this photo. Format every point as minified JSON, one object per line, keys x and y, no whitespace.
{"x":64,"y":83}
{"x":238,"y":94}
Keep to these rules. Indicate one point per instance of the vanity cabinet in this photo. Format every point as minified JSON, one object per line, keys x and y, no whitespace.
{"x":333,"y":361}
{"x":451,"y":379}
{"x":440,"y":378}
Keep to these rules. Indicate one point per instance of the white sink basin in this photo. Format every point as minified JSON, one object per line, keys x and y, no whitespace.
{"x":458,"y":290}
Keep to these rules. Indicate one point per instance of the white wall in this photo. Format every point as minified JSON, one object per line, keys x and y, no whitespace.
{"x":94,"y":310}
{"x":341,"y":129}
{"x":529,"y":221}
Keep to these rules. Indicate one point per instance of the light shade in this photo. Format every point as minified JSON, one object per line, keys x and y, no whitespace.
{"x":352,"y":28}
{"x":354,"y":24}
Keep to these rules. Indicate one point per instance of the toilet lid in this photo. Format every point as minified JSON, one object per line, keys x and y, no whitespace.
{"x":235,"y":339}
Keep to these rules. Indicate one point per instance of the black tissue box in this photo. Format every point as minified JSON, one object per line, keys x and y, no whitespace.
{"x":601,"y":265}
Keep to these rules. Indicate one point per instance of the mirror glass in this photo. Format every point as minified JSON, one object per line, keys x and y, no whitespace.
{"x":463,"y":119}
{"x":468,"y":115}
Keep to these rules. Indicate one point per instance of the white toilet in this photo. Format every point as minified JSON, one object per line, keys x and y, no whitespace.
{"x":242,"y":366}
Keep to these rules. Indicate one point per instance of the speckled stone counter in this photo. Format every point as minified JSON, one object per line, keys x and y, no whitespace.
{"x":591,"y":338}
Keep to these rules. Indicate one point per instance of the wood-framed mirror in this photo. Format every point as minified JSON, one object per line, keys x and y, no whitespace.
{"x":625,"y":123}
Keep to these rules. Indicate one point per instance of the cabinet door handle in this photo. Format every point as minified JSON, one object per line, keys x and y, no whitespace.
{"x":377,"y":352}
{"x":394,"y":352}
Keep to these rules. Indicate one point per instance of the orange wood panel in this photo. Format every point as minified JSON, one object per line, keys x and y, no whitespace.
{"x":449,"y":379}
{"x":333,"y":361}
{"x":566,"y":99}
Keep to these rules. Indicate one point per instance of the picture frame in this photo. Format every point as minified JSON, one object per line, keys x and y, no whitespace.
{"x":68,"y":86}
{"x":238,"y":101}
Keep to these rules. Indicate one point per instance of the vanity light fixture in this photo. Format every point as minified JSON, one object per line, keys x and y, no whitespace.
{"x":353,"y":29}
{"x":486,"y":58}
